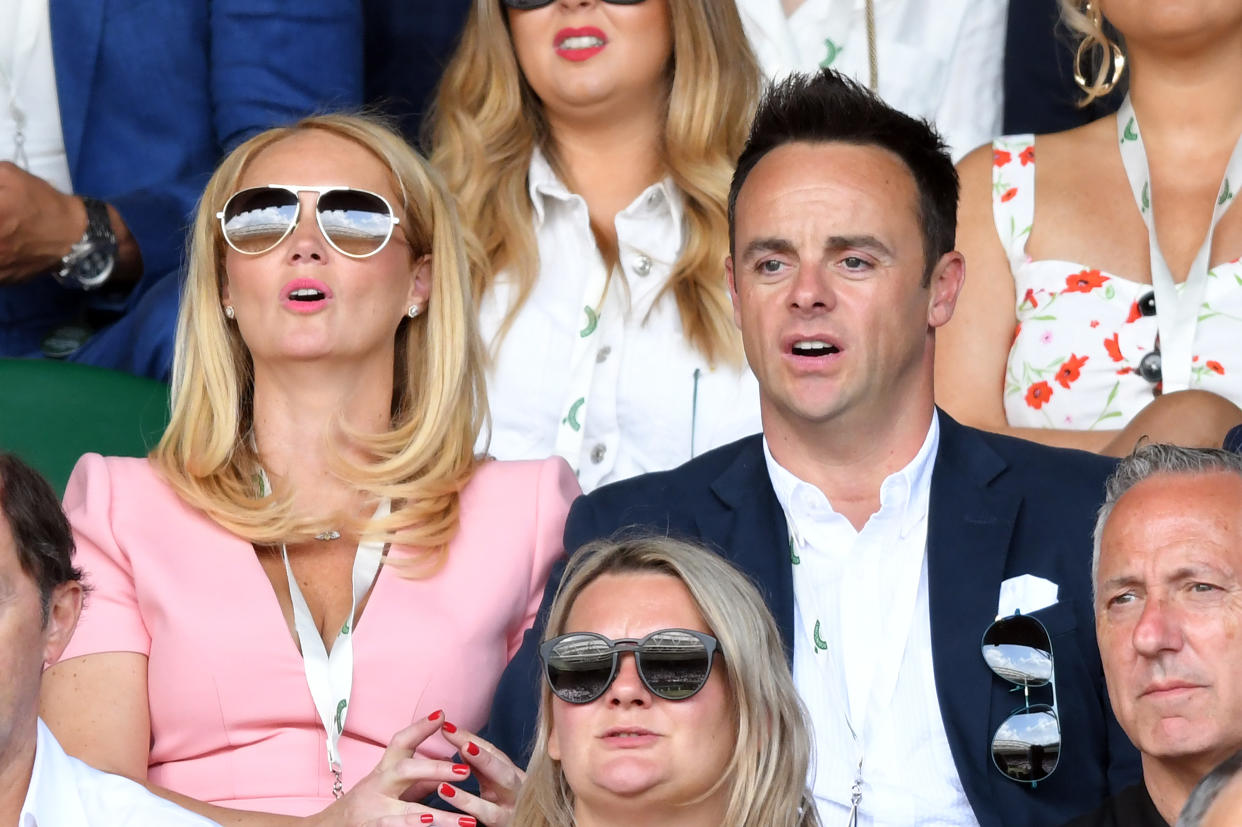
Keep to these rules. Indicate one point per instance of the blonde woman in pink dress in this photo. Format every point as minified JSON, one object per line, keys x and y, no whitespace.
{"x":313,"y":581}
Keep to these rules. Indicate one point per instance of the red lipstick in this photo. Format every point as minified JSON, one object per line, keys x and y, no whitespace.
{"x":579,"y":44}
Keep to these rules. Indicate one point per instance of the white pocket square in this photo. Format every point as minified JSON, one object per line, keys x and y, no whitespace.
{"x":1025,"y":593}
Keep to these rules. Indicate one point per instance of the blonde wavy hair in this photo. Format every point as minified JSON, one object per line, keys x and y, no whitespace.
{"x":439,"y":400}
{"x":486,"y":123}
{"x":767,"y":771}
{"x":1085,"y":22}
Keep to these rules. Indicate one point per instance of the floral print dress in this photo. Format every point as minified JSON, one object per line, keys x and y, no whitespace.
{"x":1081,"y":334}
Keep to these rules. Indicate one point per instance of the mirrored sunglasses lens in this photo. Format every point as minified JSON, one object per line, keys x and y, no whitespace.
{"x":579,"y":668}
{"x":523,"y":5}
{"x":358,"y":223}
{"x":674,"y":664}
{"x":256,"y":220}
{"x":1027,"y":746}
{"x":1018,"y":649}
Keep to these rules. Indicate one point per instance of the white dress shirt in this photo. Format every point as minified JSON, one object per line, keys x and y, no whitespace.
{"x":862,"y":651}
{"x":28,"y":94}
{"x":605,"y":377}
{"x":941,"y":60}
{"x":64,"y":792}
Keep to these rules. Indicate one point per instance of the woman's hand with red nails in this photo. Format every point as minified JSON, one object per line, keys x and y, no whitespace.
{"x":499,"y":780}
{"x":387,"y":796}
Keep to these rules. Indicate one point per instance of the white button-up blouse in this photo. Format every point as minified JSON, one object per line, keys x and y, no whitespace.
{"x":598,"y":371}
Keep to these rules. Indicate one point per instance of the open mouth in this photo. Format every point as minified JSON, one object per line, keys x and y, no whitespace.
{"x":307,"y":294}
{"x":814,"y":347}
{"x":581,"y":42}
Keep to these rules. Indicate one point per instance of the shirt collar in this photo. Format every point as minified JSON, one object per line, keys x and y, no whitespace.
{"x":544,"y":185}
{"x":904,"y":493}
{"x":43,"y":801}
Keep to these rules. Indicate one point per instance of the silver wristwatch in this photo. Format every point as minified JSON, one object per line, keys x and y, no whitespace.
{"x":89,"y":262}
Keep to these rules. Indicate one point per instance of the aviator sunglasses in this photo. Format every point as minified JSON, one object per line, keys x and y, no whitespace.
{"x":673,"y":663}
{"x":1027,"y":745}
{"x":357,"y":223}
{"x":524,"y":5}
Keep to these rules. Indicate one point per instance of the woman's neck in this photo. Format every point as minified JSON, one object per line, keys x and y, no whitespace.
{"x":1188,"y":102}
{"x":298,"y":410}
{"x":610,"y":164}
{"x":708,"y":813}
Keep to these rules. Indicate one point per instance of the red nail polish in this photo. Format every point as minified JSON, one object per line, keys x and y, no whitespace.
{"x":466,"y":821}
{"x":461,"y":769}
{"x":446,"y":791}
{"x":427,"y":818}
{"x":435,"y":716}
{"x":449,"y":728}
{"x":472,"y":748}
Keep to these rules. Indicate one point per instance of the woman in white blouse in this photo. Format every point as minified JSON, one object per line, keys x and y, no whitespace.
{"x":939,"y":60}
{"x":590,"y":145}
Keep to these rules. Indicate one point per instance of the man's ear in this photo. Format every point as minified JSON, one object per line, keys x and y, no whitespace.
{"x":62,"y":618}
{"x":731,"y":278}
{"x":946,"y":282}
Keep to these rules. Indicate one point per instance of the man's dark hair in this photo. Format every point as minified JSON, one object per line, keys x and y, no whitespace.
{"x":41,"y":535}
{"x":829,"y":107}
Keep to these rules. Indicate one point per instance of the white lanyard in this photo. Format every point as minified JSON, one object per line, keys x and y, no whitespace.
{"x":22,"y":36}
{"x":1177,"y":315}
{"x":881,"y":684}
{"x":330,"y":675}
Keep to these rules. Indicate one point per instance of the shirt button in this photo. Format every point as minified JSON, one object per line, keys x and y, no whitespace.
{"x":642,"y":266}
{"x":597,"y":453}
{"x":602,"y":354}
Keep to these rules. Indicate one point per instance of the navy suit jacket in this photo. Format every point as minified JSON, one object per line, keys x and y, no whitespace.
{"x":1000,"y":507}
{"x":152,"y":94}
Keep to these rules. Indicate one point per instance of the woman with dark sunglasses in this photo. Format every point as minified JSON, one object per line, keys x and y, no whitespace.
{"x":313,"y":558}
{"x":666,"y":699}
{"x":590,"y":146}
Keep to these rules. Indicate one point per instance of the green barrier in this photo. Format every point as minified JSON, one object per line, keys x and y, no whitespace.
{"x":51,"y":413}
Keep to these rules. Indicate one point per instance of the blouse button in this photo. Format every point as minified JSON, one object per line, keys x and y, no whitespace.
{"x":602,"y":354}
{"x":597,"y":453}
{"x":642,"y":266}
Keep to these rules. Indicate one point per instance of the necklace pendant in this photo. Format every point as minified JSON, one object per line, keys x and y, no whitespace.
{"x":330,"y":534}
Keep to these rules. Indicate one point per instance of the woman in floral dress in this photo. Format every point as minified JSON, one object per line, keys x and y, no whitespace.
{"x":1109,"y":306}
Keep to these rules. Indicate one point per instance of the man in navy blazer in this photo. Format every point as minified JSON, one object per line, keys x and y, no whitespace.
{"x":151,"y":95}
{"x":842,"y":266}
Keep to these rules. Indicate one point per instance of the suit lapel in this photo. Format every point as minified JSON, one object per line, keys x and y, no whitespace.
{"x":76,"y":28}
{"x":970,"y":525}
{"x":745,"y":520}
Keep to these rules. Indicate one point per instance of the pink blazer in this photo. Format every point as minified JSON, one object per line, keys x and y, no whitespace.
{"x":232,"y":720}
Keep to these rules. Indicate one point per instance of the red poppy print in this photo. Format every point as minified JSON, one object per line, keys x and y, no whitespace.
{"x":1038,"y":394}
{"x":1017,"y":329}
{"x":1215,"y":366}
{"x":1000,"y":157}
{"x":1070,"y":370}
{"x":1113,"y":347}
{"x":1135,"y":313}
{"x":1009,"y":194}
{"x":1084,"y":281}
{"x":1030,"y":299}
{"x":1095,"y":322}
{"x":1027,"y":156}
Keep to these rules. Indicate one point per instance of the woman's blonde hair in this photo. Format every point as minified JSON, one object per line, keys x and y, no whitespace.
{"x":487,"y":122}
{"x":439,"y":400}
{"x":1086,"y":25}
{"x":766,"y":774}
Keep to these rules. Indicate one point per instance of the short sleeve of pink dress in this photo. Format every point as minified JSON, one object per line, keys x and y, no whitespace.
{"x":232,"y":720}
